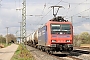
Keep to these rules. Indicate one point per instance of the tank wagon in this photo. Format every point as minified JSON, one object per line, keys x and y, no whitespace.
{"x":28,"y":40}
{"x":36,"y":37}
{"x":55,"y":35}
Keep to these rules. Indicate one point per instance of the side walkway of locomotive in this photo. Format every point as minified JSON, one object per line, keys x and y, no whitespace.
{"x":55,"y":35}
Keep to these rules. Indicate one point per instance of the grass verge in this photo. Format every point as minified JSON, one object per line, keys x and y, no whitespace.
{"x":22,"y":54}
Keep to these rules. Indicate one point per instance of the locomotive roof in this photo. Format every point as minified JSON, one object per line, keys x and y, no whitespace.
{"x":59,"y":19}
{"x":54,"y":22}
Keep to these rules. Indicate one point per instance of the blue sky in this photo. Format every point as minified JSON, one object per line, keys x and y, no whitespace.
{"x":9,"y":17}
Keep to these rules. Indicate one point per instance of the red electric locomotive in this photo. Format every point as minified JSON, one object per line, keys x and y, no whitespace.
{"x":56,"y":35}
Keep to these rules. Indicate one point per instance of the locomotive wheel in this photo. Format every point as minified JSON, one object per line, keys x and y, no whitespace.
{"x":43,"y":50}
{"x":48,"y":52}
{"x":39,"y":47}
{"x":51,"y":52}
{"x":36,"y":46}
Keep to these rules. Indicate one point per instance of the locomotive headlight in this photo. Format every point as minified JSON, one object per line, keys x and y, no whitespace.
{"x":53,"y":40}
{"x":67,"y":40}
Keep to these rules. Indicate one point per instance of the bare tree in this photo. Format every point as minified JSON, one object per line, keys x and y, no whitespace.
{"x":11,"y":37}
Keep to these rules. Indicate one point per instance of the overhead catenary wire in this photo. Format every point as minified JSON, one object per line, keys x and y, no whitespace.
{"x":49,"y":11}
{"x":44,"y":8}
{"x":80,"y":22}
{"x":81,"y":12}
{"x":59,"y":2}
{"x":86,"y":19}
{"x":68,"y":12}
{"x":74,"y":7}
{"x":73,"y":3}
{"x":42,"y":14}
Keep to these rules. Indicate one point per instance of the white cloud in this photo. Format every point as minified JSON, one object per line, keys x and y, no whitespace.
{"x":86,"y":26}
{"x":82,"y":28}
{"x":10,"y":17}
{"x":0,"y":21}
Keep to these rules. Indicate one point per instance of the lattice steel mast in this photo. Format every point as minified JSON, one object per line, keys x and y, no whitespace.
{"x":24,"y":21}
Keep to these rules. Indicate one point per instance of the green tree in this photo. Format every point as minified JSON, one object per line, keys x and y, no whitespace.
{"x":76,"y":40}
{"x":2,"y":39}
{"x":85,"y":37}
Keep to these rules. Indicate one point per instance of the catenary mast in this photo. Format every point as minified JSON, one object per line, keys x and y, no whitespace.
{"x":24,"y":21}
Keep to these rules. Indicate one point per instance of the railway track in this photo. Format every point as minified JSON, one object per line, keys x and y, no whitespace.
{"x":53,"y":56}
{"x":66,"y":58}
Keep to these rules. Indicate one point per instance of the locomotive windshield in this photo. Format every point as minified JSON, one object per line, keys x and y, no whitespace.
{"x":60,"y":29}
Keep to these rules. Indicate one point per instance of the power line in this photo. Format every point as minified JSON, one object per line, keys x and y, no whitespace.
{"x":44,"y":16}
{"x":49,"y":11}
{"x":59,"y":2}
{"x":43,"y":11}
{"x":74,"y":7}
{"x":80,"y":22}
{"x":74,"y":3}
{"x":82,"y":11}
{"x":44,"y":8}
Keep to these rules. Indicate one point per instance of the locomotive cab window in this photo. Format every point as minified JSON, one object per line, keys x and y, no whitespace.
{"x":60,"y":29}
